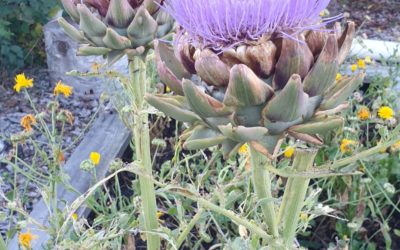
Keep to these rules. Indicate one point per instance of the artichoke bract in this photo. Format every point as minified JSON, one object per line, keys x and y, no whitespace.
{"x":113,"y":28}
{"x":257,"y":91}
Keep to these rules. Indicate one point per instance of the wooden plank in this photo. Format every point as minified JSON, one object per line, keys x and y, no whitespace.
{"x":110,"y":138}
{"x":376,"y":49}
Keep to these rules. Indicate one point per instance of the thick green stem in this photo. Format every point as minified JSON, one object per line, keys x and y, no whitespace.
{"x":182,"y":237}
{"x":294,"y":196}
{"x":262,"y":187}
{"x":137,"y":70}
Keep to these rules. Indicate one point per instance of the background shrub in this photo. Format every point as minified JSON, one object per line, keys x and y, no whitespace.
{"x":21,"y":23}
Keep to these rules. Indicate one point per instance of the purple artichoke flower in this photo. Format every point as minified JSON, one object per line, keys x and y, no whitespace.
{"x":254,"y":71}
{"x":224,"y":23}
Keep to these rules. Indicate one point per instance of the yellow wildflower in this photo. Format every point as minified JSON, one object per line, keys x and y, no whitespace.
{"x":363,"y":114}
{"x":22,"y":82}
{"x":62,"y":89}
{"x":25,"y":239}
{"x":347,"y":145}
{"x":59,"y":155}
{"x":368,"y":59}
{"x":338,"y":76}
{"x":167,"y":89}
{"x":95,"y":158}
{"x":289,"y":151}
{"x":96,"y":67}
{"x":244,"y":149}
{"x":75,"y":216}
{"x":27,"y":121}
{"x":395,"y":147}
{"x":354,"y":67}
{"x":385,"y":113}
{"x":361,"y":64}
{"x":159,"y":214}
{"x":303,"y":217}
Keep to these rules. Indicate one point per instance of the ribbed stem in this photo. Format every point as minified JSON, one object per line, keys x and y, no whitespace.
{"x":262,"y":187}
{"x":137,"y":70}
{"x":294,"y":196}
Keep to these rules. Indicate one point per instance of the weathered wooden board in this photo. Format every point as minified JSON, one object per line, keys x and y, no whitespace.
{"x":110,"y":138}
{"x":62,"y":58}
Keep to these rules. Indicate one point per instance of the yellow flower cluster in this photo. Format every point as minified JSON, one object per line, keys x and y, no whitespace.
{"x":386,"y":113}
{"x":289,"y":151}
{"x":361,"y":63}
{"x":363,"y":114}
{"x":25,"y":239}
{"x":244,"y":149}
{"x":62,"y":89}
{"x":95,"y":158}
{"x":347,"y":145}
{"x":22,"y":82}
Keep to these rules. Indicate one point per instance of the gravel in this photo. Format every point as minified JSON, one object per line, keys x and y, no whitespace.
{"x":375,"y":19}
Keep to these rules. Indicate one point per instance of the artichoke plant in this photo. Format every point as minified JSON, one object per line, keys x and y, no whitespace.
{"x":113,"y":28}
{"x":254,"y":76}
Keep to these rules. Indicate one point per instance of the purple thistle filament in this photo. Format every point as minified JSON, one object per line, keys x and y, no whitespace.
{"x":224,"y":23}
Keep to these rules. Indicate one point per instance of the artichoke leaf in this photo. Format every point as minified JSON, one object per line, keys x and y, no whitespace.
{"x":246,"y":89}
{"x":295,"y":58}
{"x":212,"y":70}
{"x":289,"y":104}
{"x":320,"y":126}
{"x":203,"y":137}
{"x":165,"y":54}
{"x":115,"y":41}
{"x":71,"y":31}
{"x":243,"y":134}
{"x":92,"y":51}
{"x":339,"y":96}
{"x":114,"y":56}
{"x":306,"y":138}
{"x":345,"y":41}
{"x":120,"y":13}
{"x":323,"y":73}
{"x":267,"y":145}
{"x":201,"y":103}
{"x":89,"y":23}
{"x":143,"y":28}
{"x":170,"y":108}
{"x":230,"y":148}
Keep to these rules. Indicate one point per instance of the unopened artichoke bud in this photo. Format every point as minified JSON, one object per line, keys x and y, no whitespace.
{"x":113,"y":28}
{"x":257,"y":78}
{"x":87,"y":165}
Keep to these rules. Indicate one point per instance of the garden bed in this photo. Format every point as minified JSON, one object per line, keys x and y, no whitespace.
{"x":109,"y":137}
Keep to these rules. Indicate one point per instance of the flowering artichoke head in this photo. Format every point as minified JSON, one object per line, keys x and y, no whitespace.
{"x":113,"y":28}
{"x":254,"y":72}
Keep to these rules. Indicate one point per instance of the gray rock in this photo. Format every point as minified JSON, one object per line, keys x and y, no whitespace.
{"x":61,"y":58}
{"x":4,"y":124}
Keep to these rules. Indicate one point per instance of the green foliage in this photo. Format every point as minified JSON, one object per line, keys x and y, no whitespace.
{"x":21,"y":23}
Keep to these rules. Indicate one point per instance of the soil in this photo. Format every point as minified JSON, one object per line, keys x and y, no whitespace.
{"x":375,"y":19}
